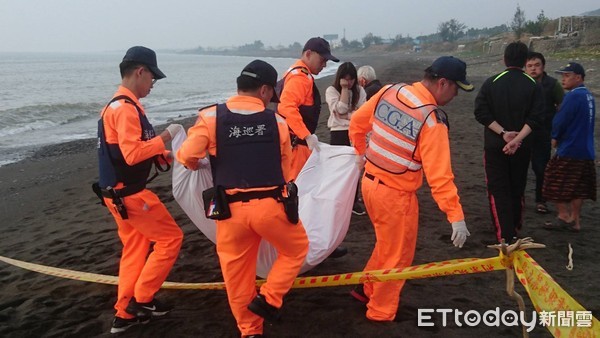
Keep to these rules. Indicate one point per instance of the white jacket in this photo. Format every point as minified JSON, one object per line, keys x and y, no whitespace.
{"x":339,"y":112}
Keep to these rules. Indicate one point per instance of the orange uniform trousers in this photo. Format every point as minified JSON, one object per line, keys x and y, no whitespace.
{"x":300,"y":154}
{"x":395,"y":217}
{"x":149,"y":221}
{"x":238,"y":240}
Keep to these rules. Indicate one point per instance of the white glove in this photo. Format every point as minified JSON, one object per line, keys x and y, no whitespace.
{"x":459,"y":233}
{"x":313,"y":142}
{"x":173,"y":129}
{"x":360,"y":162}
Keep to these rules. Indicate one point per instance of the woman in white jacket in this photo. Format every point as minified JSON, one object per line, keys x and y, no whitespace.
{"x":343,"y":98}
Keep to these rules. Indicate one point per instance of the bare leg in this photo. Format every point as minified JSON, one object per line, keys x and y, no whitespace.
{"x":576,"y":211}
{"x":563,"y":211}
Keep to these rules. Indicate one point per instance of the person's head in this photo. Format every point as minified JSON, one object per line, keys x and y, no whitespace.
{"x":347,"y":72}
{"x":365,"y":75}
{"x":316,"y":53}
{"x":139,"y":70}
{"x":258,"y":79}
{"x":515,"y":54}
{"x":573,"y":75}
{"x":535,"y":65}
{"x":444,"y":77}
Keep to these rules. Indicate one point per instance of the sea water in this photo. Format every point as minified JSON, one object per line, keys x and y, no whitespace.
{"x":53,"y":98}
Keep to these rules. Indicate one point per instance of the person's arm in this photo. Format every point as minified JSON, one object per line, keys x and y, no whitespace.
{"x":297,"y":88}
{"x":561,"y":119}
{"x":513,"y":145}
{"x":201,"y":137}
{"x":536,"y":114}
{"x":362,"y":97}
{"x":483,"y":114}
{"x":483,"y":110}
{"x":336,"y":103}
{"x":129,"y":131}
{"x":286,"y":148}
{"x":434,"y":149}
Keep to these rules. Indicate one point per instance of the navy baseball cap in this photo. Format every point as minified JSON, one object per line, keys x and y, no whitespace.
{"x":454,"y":69}
{"x":263,"y":73}
{"x":320,"y":46}
{"x":145,"y":56}
{"x":572,"y":67}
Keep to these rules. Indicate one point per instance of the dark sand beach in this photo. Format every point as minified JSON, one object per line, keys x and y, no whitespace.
{"x":51,"y":217}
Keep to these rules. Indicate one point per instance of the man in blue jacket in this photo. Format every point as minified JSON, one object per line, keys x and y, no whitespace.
{"x":571,"y":173}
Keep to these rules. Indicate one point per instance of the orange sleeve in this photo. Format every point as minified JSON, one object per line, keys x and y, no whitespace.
{"x":201,"y":137}
{"x":434,"y":149}
{"x":286,"y":149}
{"x":297,"y":91}
{"x":361,"y":123}
{"x":126,"y":122}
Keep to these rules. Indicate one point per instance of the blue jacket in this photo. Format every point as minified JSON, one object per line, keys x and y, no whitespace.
{"x":573,"y":125}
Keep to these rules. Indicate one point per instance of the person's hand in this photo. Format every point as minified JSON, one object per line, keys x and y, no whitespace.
{"x":459,"y":233}
{"x":511,"y":147}
{"x":313,"y":142}
{"x":360,"y":161}
{"x":344,"y":83}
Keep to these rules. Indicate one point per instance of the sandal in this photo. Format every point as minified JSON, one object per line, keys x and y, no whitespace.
{"x":560,"y":225}
{"x":541,"y":208}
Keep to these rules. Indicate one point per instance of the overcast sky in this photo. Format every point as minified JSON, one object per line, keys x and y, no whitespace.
{"x":100,"y":25}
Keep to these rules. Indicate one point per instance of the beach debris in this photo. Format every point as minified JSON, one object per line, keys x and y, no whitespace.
{"x":570,"y":265}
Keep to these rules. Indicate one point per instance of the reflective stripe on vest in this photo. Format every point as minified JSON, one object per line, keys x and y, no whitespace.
{"x":398,"y":120}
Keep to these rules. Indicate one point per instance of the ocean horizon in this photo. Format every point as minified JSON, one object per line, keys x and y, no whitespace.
{"x":52,"y":98}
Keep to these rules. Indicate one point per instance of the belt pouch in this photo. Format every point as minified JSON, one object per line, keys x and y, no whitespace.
{"x":216,"y":205}
{"x":290,"y":203}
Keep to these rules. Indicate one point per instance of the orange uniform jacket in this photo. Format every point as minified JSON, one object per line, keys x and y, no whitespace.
{"x":433,"y":148}
{"x":202,"y":136}
{"x":140,"y":274}
{"x":122,"y":127}
{"x":297,"y":91}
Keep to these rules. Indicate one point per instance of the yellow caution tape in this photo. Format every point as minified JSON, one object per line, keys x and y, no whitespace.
{"x":438,"y":269}
{"x":446,"y":268}
{"x":546,"y":295}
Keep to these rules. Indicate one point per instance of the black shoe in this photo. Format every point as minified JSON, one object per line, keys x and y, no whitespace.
{"x":357,"y":209}
{"x":122,"y":324}
{"x":145,"y":311}
{"x":359,"y":294}
{"x":260,"y":307}
{"x":340,"y":251}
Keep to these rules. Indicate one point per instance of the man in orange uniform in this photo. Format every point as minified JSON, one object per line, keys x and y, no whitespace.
{"x":242,"y":133}
{"x":301,"y":100}
{"x":409,"y":136}
{"x":127,"y":149}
